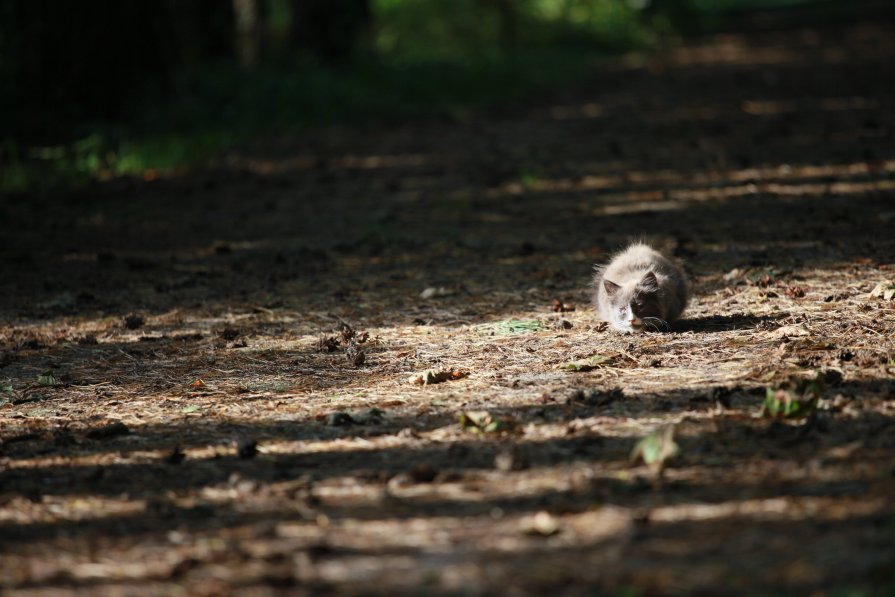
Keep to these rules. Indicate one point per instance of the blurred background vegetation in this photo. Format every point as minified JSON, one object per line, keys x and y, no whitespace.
{"x":101,"y":88}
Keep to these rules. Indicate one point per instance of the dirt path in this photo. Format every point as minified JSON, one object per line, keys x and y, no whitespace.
{"x":259,"y":454}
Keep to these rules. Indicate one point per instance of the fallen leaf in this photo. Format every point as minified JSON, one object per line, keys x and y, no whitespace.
{"x":766,"y":277}
{"x":795,"y":292}
{"x":355,"y":355}
{"x":794,"y":398}
{"x":733,"y":274}
{"x":510,"y":326}
{"x":432,"y":376}
{"x":328,"y":344}
{"x":47,"y":378}
{"x":481,"y":421}
{"x":346,"y":332}
{"x":557,"y":306}
{"x":433,"y":292}
{"x":189,"y":409}
{"x":788,"y":331}
{"x":511,"y":458}
{"x":198,"y":384}
{"x":656,"y":448}
{"x":836,"y":297}
{"x":884,"y":290}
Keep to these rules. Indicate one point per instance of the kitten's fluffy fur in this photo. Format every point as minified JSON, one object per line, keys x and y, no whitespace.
{"x":640,"y":289}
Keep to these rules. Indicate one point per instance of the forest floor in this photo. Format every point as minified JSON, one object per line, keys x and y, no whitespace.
{"x":183,"y":409}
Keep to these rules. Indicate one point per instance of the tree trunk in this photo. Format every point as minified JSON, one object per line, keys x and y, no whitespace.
{"x":248,"y":21}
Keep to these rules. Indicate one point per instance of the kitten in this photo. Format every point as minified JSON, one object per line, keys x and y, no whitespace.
{"x":639,"y":289}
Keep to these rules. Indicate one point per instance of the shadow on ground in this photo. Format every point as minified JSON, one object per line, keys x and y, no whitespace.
{"x":768,"y":152}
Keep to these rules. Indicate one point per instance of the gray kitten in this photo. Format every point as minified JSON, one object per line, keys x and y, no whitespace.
{"x":640,"y":289}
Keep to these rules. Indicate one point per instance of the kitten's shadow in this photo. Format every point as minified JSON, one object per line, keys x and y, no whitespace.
{"x":724,"y":323}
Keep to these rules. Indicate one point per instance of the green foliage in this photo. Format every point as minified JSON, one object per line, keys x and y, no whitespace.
{"x":510,"y":326}
{"x":6,"y":392}
{"x":656,"y":448}
{"x":278,"y":99}
{"x":466,"y":30}
{"x":47,"y":378}
{"x":796,"y":398}
{"x":426,"y":57}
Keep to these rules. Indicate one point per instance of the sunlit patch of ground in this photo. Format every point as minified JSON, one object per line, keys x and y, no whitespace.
{"x":260,"y":453}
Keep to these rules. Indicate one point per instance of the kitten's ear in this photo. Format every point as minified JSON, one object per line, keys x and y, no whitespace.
{"x":649,"y":283}
{"x":610,"y":287}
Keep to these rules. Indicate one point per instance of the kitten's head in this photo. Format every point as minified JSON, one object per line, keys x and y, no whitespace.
{"x":635,"y":307}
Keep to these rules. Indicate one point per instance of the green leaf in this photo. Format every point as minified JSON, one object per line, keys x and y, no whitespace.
{"x":6,"y":393}
{"x":47,"y":378}
{"x":656,"y":448}
{"x":795,"y":398}
{"x":189,"y":409}
{"x":528,"y":179}
{"x":510,"y":326}
{"x":590,"y":363}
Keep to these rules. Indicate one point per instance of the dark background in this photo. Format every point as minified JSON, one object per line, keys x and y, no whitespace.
{"x":99,"y":89}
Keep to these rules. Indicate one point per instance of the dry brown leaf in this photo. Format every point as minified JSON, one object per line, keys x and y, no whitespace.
{"x":431,"y":376}
{"x":884,"y":290}
{"x":788,"y":331}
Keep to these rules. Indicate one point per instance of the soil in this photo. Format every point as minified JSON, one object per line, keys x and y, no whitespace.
{"x":265,"y":376}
